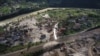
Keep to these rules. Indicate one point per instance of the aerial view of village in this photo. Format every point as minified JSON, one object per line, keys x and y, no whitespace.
{"x":50,"y":31}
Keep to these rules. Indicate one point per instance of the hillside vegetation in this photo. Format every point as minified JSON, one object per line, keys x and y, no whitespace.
{"x":72,"y":20}
{"x":11,"y":8}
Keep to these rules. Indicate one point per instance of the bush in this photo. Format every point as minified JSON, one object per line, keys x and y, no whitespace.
{"x":3,"y":48}
{"x":1,"y":29}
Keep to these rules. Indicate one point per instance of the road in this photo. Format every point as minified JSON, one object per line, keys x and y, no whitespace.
{"x":69,"y":38}
{"x":23,"y":16}
{"x":80,"y":35}
{"x":32,"y":49}
{"x":66,"y":39}
{"x":90,"y":49}
{"x":18,"y":53}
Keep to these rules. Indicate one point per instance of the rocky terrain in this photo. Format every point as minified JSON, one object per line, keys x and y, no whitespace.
{"x":80,"y":47}
{"x":57,"y":32}
{"x":24,"y":32}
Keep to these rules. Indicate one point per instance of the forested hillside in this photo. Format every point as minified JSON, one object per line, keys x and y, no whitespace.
{"x":17,"y":7}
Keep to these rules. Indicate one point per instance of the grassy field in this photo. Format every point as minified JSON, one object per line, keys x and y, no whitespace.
{"x":64,"y":15}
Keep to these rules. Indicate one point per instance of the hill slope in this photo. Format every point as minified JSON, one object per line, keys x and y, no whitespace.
{"x":10,"y":8}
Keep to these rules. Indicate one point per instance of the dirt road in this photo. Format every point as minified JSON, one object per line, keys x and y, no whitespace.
{"x":23,"y":16}
{"x":67,"y":39}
